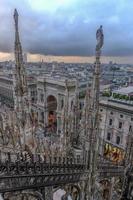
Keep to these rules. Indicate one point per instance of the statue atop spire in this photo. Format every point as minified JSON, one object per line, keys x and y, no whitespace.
{"x":93,"y":121}
{"x":16,"y":18}
{"x":100,"y":39}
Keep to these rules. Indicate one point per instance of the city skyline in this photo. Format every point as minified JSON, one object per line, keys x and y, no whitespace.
{"x":67,"y":28}
{"x":67,"y":59}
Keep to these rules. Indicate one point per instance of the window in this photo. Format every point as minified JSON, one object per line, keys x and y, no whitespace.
{"x":42,"y":97}
{"x":121,"y":116}
{"x":120,"y":125}
{"x":62,"y":103}
{"x":101,"y":110}
{"x":118,"y":140}
{"x":111,"y":113}
{"x":32,"y":99}
{"x":42,"y":116}
{"x":110,"y":122}
{"x":130,"y":128}
{"x":109,"y":136}
{"x":78,"y":158}
{"x":71,"y":104}
{"x":131,"y":118}
{"x":80,"y":105}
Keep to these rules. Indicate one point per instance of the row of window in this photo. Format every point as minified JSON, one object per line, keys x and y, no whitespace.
{"x":119,"y":125}
{"x":109,"y":136}
{"x":33,"y":93}
{"x":81,"y":104}
{"x":121,"y":116}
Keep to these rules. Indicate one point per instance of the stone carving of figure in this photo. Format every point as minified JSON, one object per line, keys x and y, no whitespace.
{"x":16,"y":19}
{"x":100,"y":38}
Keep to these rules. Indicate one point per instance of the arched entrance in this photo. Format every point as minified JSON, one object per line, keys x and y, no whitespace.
{"x":52,"y":107}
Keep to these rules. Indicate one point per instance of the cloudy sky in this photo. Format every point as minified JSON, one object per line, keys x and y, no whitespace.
{"x":67,"y":27}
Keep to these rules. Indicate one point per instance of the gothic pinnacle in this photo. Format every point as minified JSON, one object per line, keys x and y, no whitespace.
{"x":20,"y":85}
{"x":16,"y":18}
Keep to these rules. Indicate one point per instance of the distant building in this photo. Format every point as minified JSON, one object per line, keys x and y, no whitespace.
{"x":105,"y":88}
{"x":6,"y":91}
{"x":47,"y":96}
{"x":52,"y":96}
{"x":25,"y":57}
{"x":116,"y":122}
{"x":128,"y":91}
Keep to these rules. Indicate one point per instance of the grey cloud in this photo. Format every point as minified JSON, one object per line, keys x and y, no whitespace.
{"x":70,"y":30}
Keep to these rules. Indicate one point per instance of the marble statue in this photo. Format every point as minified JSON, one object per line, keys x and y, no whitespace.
{"x":100,"y":39}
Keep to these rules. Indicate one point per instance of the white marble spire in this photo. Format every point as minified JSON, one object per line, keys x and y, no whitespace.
{"x":93,"y":123}
{"x":21,"y":83}
{"x":21,"y":100}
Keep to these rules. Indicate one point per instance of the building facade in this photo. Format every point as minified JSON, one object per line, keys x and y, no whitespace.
{"x":6,"y":90}
{"x":48,"y":95}
{"x":51,"y":98}
{"x":117,"y":119}
{"x":116,"y":122}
